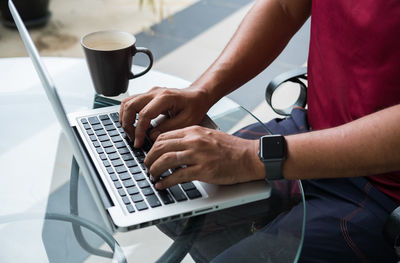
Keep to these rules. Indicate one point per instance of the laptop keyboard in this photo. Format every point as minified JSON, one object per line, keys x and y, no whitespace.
{"x":125,"y":166}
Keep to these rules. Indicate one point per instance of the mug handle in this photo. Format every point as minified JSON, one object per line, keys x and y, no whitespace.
{"x":150,"y":55}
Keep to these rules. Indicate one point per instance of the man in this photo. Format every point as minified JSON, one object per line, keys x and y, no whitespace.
{"x":353,"y":109}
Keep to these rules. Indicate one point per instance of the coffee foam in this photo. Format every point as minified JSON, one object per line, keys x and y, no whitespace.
{"x":108,"y":40}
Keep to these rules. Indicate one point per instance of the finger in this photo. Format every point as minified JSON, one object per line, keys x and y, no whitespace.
{"x":169,"y":160}
{"x":124,"y":101}
{"x":177,"y":134}
{"x":179,"y":176}
{"x":177,"y":122}
{"x":152,"y":110}
{"x":131,"y":107}
{"x":161,"y":147}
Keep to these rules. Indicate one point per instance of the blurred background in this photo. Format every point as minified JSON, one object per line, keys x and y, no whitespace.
{"x":185,"y":36}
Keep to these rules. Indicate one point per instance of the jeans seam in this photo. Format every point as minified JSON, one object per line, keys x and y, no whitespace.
{"x":347,"y":218}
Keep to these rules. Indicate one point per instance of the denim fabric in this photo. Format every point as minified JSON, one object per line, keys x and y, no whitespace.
{"x":344,"y":217}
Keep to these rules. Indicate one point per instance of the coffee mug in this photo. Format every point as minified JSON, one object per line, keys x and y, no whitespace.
{"x":109,"y":56}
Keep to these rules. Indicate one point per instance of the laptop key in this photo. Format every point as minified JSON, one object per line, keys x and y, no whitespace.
{"x":123,"y":150}
{"x":97,"y":127}
{"x":93,"y":120}
{"x":106,"y":163}
{"x":96,"y":144}
{"x":121,"y":192}
{"x":166,"y":197}
{"x":147,"y":191}
{"x":104,"y":117}
{"x":130,"y":208}
{"x":135,"y":170}
{"x":106,"y":144}
{"x":99,"y":150}
{"x":110,"y":170}
{"x":120,"y":145}
{"x":127,"y":157}
{"x":117,"y":162}
{"x":126,"y":200}
{"x":103,"y":156}
{"x":116,"y":139}
{"x":139,"y":177}
{"x":86,"y":126}
{"x":143,"y":184}
{"x":114,"y":116}
{"x":109,"y":127}
{"x":132,"y":190}
{"x":100,"y":132}
{"x":177,"y":192}
{"x":113,"y":156}
{"x":193,"y":194}
{"x":137,"y":198}
{"x":153,"y":201}
{"x":90,"y":132}
{"x":106,"y":122}
{"x":131,"y":163}
{"x":110,"y":150}
{"x":84,"y":121}
{"x":120,"y":169}
{"x":118,"y":185}
{"x":128,"y":183}
{"x":188,"y":186}
{"x":113,"y":133}
{"x":137,"y":152}
{"x":113,"y":177}
{"x":93,"y":138}
{"x":141,"y":206}
{"x":103,"y":138}
{"x":124,"y":176}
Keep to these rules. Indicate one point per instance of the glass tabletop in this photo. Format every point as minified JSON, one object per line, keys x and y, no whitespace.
{"x":48,"y":213}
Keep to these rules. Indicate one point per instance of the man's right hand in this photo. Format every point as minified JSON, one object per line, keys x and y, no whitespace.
{"x":183,"y":107}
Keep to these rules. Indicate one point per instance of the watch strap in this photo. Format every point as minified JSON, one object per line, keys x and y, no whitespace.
{"x":273,"y":170}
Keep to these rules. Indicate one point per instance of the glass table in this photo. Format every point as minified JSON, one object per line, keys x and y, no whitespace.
{"x":48,"y":214}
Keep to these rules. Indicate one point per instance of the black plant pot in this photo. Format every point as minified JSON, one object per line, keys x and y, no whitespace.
{"x":34,"y":13}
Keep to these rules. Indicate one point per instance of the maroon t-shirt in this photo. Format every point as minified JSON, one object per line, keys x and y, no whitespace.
{"x":354,"y":66}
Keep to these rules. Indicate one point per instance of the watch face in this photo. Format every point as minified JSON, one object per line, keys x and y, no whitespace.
{"x":272,"y":147}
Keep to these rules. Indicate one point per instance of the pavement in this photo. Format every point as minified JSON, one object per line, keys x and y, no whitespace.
{"x":185,"y":36}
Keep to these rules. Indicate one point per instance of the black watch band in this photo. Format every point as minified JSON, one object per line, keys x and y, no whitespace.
{"x":272,"y":153}
{"x":273,"y":170}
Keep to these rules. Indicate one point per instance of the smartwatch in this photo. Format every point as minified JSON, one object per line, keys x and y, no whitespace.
{"x":272,"y":153}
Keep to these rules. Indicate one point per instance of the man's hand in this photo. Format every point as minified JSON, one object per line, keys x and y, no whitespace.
{"x":184,"y":107}
{"x":207,"y":155}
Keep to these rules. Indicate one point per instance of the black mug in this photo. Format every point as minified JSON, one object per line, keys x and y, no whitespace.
{"x":109,"y":56}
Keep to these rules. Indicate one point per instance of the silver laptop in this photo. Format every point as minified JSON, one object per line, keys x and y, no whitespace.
{"x":114,"y":170}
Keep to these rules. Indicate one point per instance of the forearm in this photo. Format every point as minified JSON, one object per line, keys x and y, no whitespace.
{"x":366,"y":146}
{"x":261,"y":36}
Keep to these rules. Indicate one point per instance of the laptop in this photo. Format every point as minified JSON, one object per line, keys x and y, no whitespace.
{"x":115,"y":172}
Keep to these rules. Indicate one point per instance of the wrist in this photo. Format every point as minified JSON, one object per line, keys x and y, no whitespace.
{"x":204,"y":96}
{"x":258,"y":172}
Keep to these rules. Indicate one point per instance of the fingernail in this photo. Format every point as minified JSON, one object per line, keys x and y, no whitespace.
{"x":158,"y":186}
